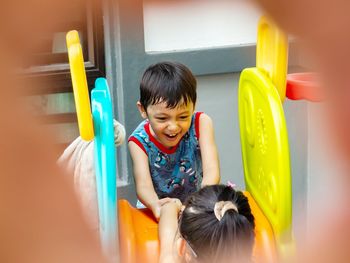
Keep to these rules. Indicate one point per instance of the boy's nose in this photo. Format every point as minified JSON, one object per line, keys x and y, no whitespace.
{"x":173,"y":127}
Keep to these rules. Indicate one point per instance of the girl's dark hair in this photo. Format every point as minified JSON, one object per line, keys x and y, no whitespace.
{"x":212,"y":240}
{"x":168,"y":82}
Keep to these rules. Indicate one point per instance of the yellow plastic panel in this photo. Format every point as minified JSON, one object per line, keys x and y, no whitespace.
{"x":265,"y":150}
{"x":272,"y":54}
{"x":80,"y":87}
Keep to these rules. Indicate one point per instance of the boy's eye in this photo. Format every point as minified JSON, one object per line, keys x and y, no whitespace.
{"x":183,"y":117}
{"x":161,"y":118}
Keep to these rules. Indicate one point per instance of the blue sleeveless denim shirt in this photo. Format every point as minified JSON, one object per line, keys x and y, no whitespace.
{"x":176,"y":172}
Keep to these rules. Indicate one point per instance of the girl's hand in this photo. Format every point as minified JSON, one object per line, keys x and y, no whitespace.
{"x":167,"y":230}
{"x":172,"y":205}
{"x":156,"y":206}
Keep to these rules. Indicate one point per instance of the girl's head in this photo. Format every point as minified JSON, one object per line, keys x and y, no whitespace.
{"x":216,"y":226}
{"x":167,"y":98}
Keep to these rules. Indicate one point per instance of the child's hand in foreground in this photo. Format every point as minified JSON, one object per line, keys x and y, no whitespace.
{"x":173,"y":205}
{"x":168,"y":229}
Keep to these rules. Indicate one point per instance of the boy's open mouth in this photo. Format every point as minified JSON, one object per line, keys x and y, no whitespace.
{"x":172,"y":136}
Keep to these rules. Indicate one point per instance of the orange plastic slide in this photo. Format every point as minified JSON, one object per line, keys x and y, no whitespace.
{"x":138,"y":235}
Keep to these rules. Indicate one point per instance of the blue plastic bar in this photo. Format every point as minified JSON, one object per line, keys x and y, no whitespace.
{"x":105,"y":165}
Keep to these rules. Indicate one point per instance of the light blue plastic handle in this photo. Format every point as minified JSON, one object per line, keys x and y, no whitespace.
{"x":105,"y":165}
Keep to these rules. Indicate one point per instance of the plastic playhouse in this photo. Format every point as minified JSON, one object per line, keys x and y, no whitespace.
{"x":265,"y":152}
{"x":98,"y":126}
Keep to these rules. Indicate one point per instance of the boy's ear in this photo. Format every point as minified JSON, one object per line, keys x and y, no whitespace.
{"x":142,"y":110}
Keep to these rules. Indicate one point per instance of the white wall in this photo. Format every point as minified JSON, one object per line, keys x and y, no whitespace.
{"x":178,"y":25}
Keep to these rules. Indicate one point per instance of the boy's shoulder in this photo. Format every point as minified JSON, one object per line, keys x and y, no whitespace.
{"x":140,"y":137}
{"x":196,"y":119}
{"x":140,"y":132}
{"x":139,"y":128}
{"x":203,"y":117}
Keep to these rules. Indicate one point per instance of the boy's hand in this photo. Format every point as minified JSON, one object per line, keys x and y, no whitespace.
{"x":156,"y":206}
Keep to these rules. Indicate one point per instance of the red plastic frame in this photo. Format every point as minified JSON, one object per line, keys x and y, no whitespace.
{"x":304,"y":86}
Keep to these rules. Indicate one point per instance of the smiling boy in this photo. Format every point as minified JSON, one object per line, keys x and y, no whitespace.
{"x":173,"y":150}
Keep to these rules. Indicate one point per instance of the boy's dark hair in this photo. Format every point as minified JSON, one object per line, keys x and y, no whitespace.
{"x":168,"y":82}
{"x":213,"y":240}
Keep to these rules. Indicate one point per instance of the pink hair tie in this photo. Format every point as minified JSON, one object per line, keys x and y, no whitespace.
{"x":230,"y":184}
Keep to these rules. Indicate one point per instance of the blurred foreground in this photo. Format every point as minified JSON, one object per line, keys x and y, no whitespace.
{"x":40,"y":218}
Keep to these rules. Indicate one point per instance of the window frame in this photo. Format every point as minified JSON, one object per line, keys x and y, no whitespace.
{"x":56,"y":78}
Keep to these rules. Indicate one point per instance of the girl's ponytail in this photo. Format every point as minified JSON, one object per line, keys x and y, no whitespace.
{"x":217,"y":223}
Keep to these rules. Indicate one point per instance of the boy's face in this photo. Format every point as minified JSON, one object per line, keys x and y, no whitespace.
{"x":168,"y":125}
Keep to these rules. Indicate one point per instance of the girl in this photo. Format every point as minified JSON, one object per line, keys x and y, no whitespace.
{"x":216,"y":225}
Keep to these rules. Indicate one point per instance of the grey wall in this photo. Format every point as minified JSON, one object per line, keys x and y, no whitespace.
{"x":217,"y":96}
{"x":296,"y":113}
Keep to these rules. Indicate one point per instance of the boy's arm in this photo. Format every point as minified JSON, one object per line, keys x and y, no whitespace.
{"x":167,"y":230}
{"x":144,"y":186}
{"x":210,"y":158}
